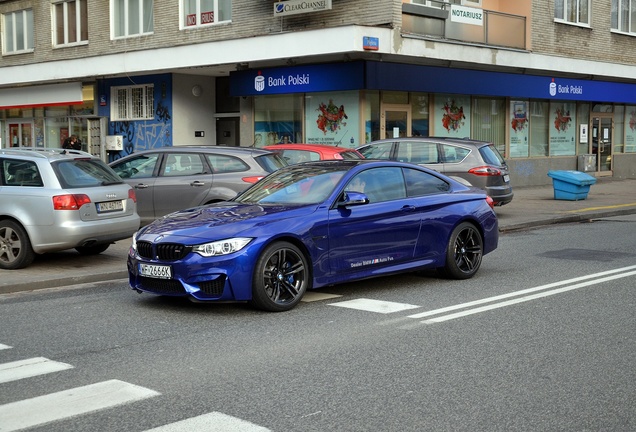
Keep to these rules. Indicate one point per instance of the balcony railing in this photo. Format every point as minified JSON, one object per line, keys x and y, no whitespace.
{"x":431,"y":18}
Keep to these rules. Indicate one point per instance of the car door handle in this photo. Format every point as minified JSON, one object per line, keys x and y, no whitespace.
{"x":408,"y":208}
{"x":142,"y":186}
{"x":197,"y":183}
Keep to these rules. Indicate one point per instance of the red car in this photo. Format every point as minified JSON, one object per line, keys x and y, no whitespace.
{"x":297,"y":153}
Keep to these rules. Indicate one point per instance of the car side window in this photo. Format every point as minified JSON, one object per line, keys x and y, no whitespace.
{"x":138,"y":167}
{"x":20,"y":173}
{"x":182,"y":164}
{"x":420,"y":183}
{"x":226,"y":164}
{"x":379,"y":184}
{"x":454,"y":154}
{"x":299,"y":156}
{"x":418,"y":152}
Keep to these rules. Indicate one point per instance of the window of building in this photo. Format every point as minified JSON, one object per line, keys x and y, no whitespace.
{"x":70,"y":22}
{"x":489,"y":122}
{"x":198,"y":13}
{"x":624,"y":16}
{"x":278,"y":118}
{"x":539,"y":118}
{"x":132,"y":103}
{"x":17,"y":32}
{"x":572,"y":11}
{"x":132,"y":17}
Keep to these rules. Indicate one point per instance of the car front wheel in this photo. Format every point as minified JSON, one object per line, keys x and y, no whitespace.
{"x":15,"y":247}
{"x":464,"y":253}
{"x":281,"y":278}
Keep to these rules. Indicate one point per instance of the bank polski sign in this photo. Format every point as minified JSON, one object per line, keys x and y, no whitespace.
{"x":467,"y":15}
{"x":293,"y":7}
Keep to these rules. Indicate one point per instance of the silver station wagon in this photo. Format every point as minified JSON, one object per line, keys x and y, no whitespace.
{"x":56,"y":199}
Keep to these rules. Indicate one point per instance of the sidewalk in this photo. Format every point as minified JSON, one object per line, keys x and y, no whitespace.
{"x":531,"y":207}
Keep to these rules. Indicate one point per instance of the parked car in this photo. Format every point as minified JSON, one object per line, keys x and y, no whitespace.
{"x":315,"y":224}
{"x":477,"y":162}
{"x":168,"y":179}
{"x":297,"y":153}
{"x":54,"y":199}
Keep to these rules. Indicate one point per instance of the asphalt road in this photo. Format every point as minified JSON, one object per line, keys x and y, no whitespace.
{"x":543,"y":338}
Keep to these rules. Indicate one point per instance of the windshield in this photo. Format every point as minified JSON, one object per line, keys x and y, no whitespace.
{"x":302,"y":185}
{"x":271,"y":162}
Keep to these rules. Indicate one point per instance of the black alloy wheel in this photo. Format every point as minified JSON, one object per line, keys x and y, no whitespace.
{"x":464,"y":253}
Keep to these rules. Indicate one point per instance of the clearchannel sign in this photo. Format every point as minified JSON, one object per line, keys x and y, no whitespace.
{"x":293,"y":7}
{"x":298,"y":79}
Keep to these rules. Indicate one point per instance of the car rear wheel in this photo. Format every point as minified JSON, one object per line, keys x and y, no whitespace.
{"x":92,"y":250}
{"x":281,"y":278}
{"x":464,"y":253}
{"x":15,"y":247}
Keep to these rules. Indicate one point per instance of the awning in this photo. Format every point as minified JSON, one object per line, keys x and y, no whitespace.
{"x":39,"y":96}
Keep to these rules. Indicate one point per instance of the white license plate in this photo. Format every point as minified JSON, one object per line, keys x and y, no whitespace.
{"x":155,"y":271}
{"x":110,"y":206}
{"x":506,"y":178}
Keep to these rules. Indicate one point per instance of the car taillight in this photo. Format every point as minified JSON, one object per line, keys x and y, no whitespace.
{"x":132,"y":195}
{"x":253,"y":179}
{"x":490,"y":202}
{"x":70,"y":201}
{"x":485,"y":171}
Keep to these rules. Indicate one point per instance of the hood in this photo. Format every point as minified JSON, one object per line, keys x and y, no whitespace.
{"x":221,"y":220}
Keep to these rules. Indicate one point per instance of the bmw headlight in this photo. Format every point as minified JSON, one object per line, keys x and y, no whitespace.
{"x":221,"y":247}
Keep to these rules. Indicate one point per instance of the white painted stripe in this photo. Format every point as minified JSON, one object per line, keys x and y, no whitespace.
{"x":4,"y":347}
{"x":17,"y":370}
{"x":69,"y":403}
{"x":213,"y":421}
{"x":371,"y":305}
{"x":525,"y":299}
{"x":518,"y":293}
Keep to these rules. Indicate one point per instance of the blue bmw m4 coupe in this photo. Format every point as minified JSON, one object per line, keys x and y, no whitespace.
{"x":315,"y":224}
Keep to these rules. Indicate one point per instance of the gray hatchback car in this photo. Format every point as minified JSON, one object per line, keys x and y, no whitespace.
{"x":168,"y":179}
{"x":476,"y":162}
{"x":55,"y":199}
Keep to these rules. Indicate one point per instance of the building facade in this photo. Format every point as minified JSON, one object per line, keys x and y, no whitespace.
{"x":550,"y":82}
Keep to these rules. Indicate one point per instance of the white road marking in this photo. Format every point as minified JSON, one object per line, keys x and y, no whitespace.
{"x":371,"y":305}
{"x":17,"y":370}
{"x":525,"y":298}
{"x":4,"y":347}
{"x":214,"y":421}
{"x":312,"y":296}
{"x":69,"y":403}
{"x":518,"y":293}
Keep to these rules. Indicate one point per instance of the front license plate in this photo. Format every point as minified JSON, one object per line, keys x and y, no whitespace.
{"x":155,"y":271}
{"x":506,"y":178}
{"x":110,"y":206}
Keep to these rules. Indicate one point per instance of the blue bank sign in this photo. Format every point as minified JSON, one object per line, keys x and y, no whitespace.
{"x":301,"y":79}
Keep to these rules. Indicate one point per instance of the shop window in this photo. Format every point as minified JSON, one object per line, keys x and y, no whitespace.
{"x":489,"y":122}
{"x":539,"y":113}
{"x":572,"y":11}
{"x":583,"y":116}
{"x":132,"y":17}
{"x":419,"y":114}
{"x":630,"y":129}
{"x":619,"y":129}
{"x":17,"y":32}
{"x":371,"y":113}
{"x":562,"y":128}
{"x":197,"y":13}
{"x":624,"y":16}
{"x":132,"y":103}
{"x":70,"y":22}
{"x":277,"y":118}
{"x":332,"y":118}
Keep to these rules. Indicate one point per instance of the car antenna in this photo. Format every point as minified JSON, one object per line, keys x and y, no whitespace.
{"x":340,"y":142}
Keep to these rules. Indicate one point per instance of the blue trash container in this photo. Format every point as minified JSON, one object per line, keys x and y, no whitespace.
{"x":571,"y":185}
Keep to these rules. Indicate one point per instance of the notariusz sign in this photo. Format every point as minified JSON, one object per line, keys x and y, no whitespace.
{"x":293,"y":7}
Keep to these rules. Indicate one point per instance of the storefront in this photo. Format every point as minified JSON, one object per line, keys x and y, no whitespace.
{"x":535,"y":121}
{"x":44,"y":116}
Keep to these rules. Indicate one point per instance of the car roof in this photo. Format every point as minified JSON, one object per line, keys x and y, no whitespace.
{"x":46,"y":153}
{"x":203,"y":149}
{"x":315,"y":147}
{"x":461,"y":141}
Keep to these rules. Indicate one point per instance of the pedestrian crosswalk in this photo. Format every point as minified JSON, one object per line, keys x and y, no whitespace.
{"x":81,"y":401}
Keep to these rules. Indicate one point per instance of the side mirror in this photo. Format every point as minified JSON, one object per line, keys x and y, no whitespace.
{"x":353,"y":199}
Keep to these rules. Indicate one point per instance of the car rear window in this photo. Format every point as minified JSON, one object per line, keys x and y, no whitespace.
{"x":271,"y":162}
{"x":491,"y":155}
{"x":351,"y":155}
{"x":79,"y":173}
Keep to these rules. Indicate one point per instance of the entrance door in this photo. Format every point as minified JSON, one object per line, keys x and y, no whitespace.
{"x":395,"y":121}
{"x":20,"y":135}
{"x":227,"y":131}
{"x":602,"y":127}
